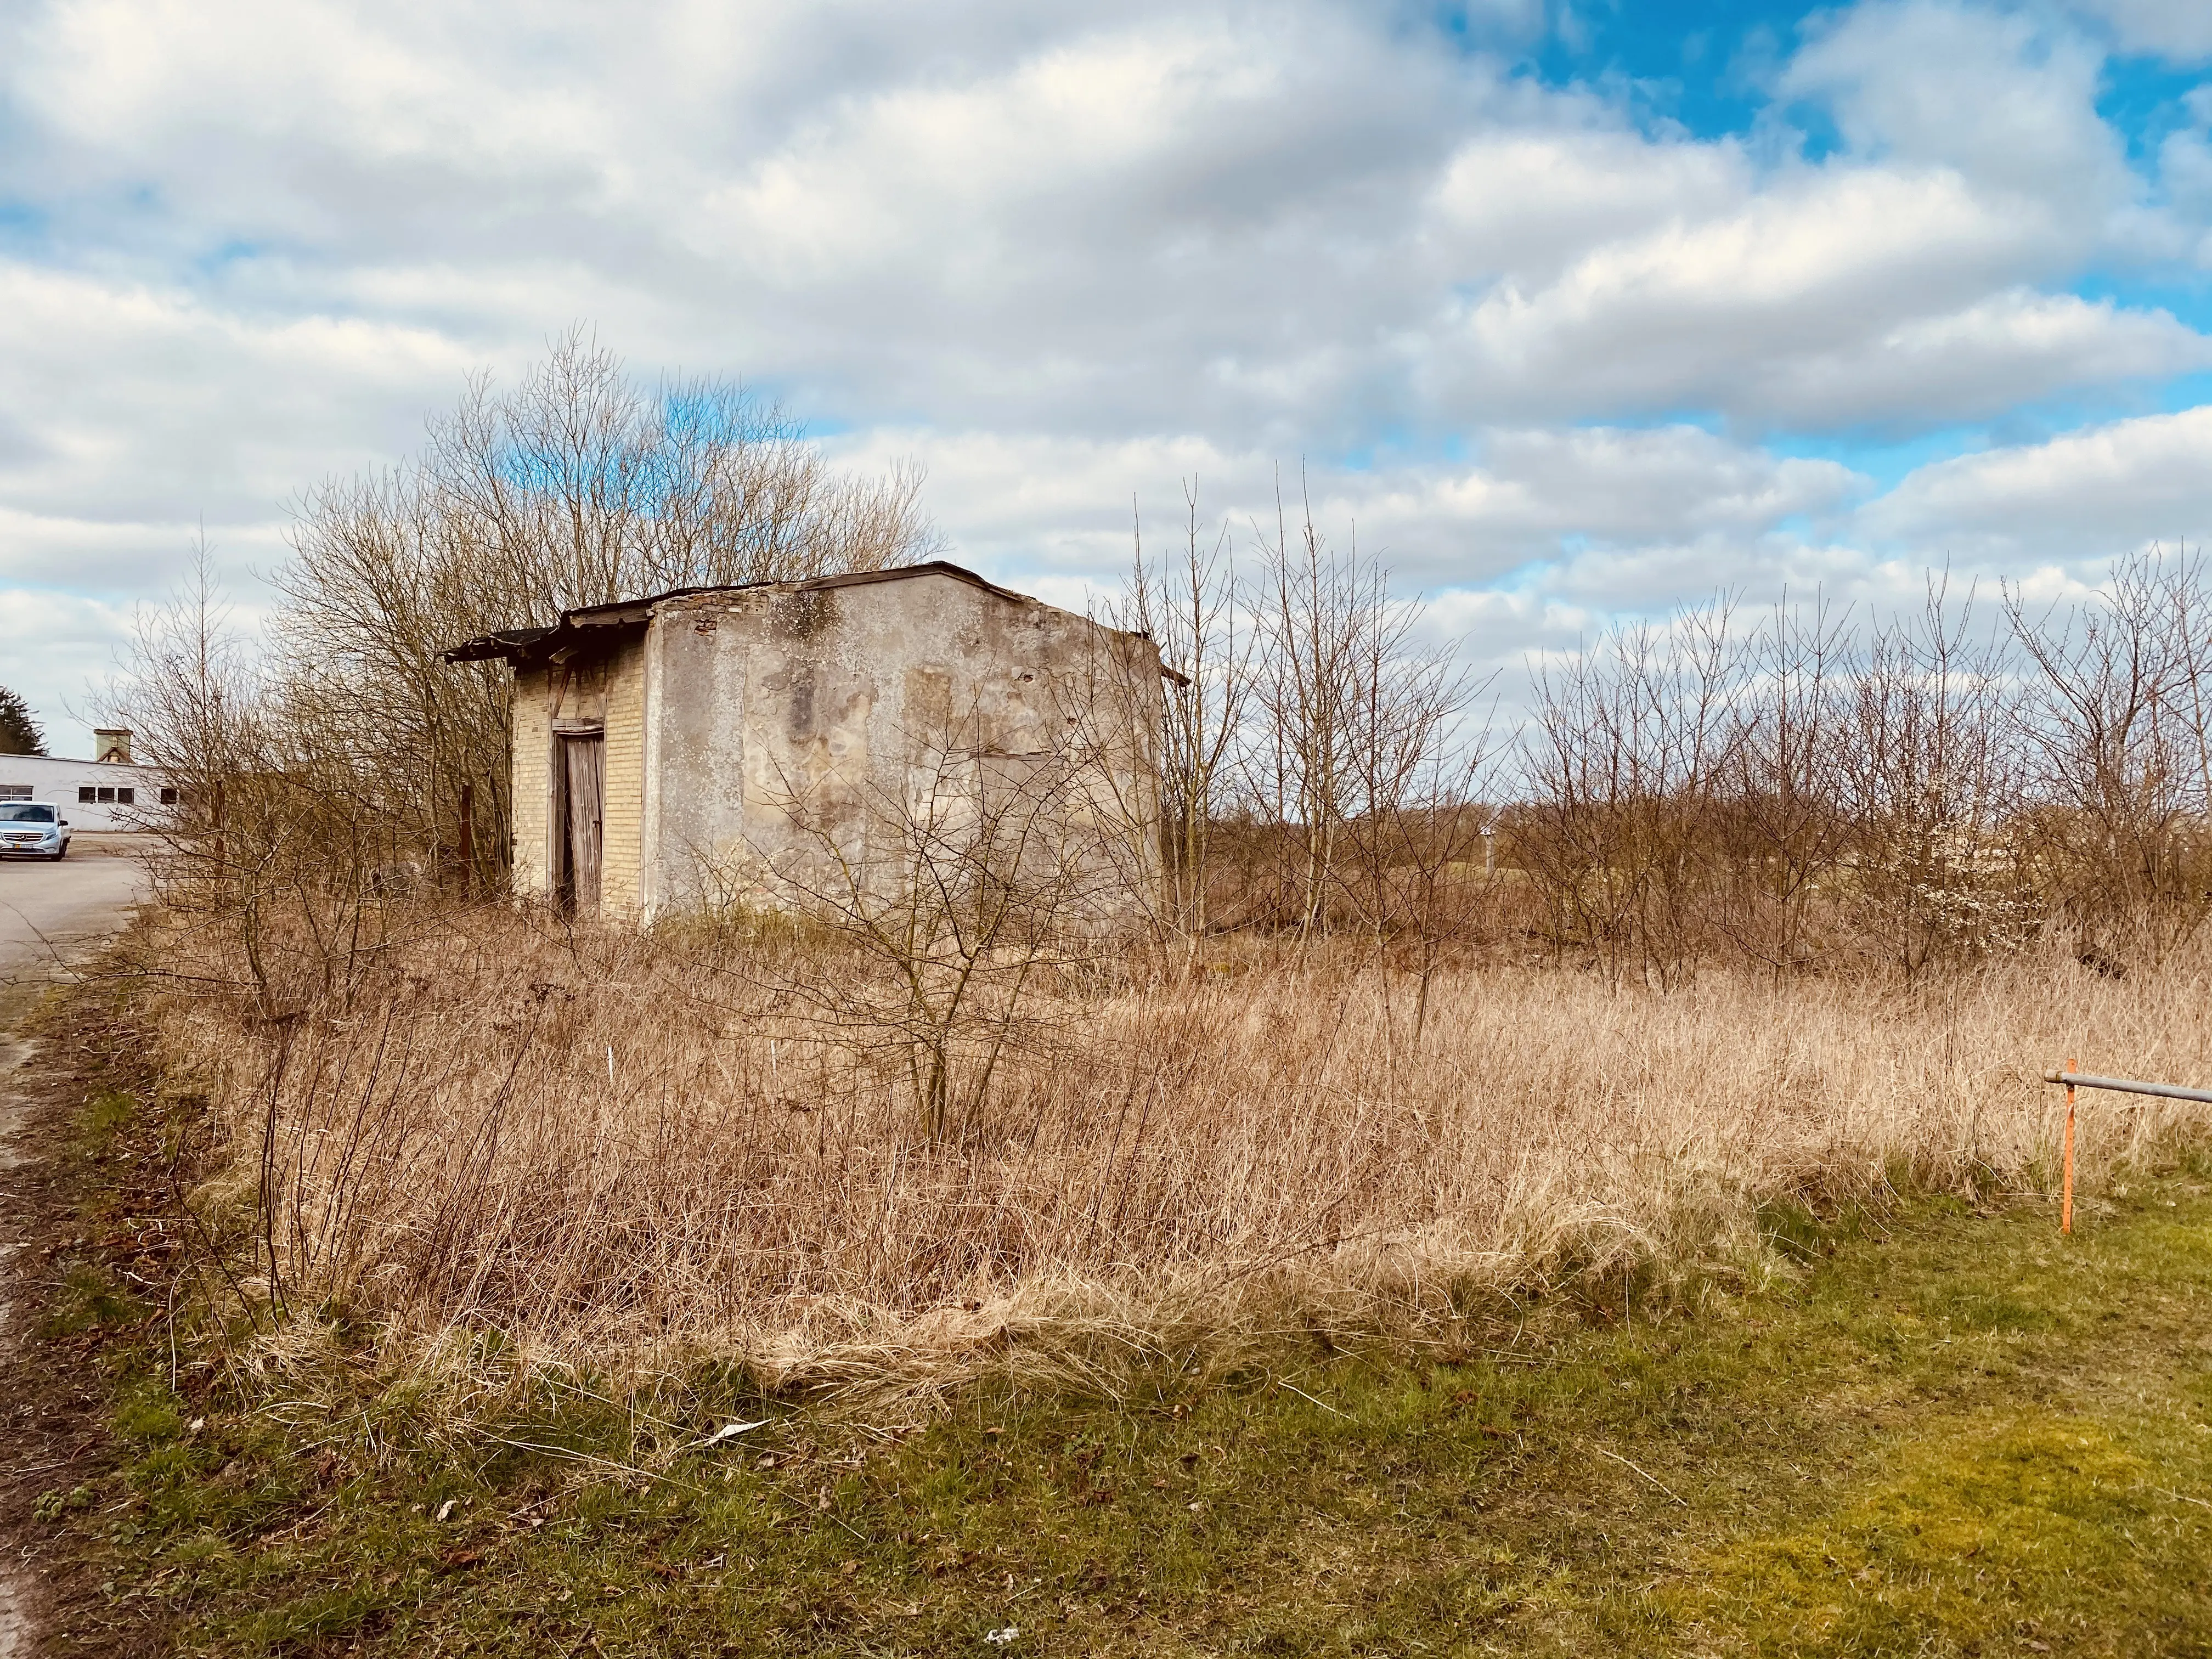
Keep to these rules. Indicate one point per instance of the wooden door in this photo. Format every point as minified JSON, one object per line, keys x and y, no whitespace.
{"x":583,"y":773}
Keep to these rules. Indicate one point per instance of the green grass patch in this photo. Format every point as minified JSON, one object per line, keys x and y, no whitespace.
{"x":104,"y":1117}
{"x":1948,"y":1434}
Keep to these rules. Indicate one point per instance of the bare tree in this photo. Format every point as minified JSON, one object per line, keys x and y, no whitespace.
{"x":1187,"y":605}
{"x":1784,"y":808}
{"x":1316,"y":612}
{"x":1928,"y":772}
{"x":2117,"y":751}
{"x":577,"y":487}
{"x":1628,"y":747}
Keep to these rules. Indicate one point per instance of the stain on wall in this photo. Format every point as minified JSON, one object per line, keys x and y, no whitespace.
{"x":783,"y":728}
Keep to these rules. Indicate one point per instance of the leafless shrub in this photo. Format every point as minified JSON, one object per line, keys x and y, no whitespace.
{"x":276,"y":829}
{"x":1618,"y":825}
{"x":577,"y":487}
{"x":950,"y":905}
{"x":1313,"y":732}
{"x":2115,"y":736}
{"x":1782,"y":808}
{"x":1930,"y":772}
{"x":1806,"y":795}
{"x":1189,"y":607}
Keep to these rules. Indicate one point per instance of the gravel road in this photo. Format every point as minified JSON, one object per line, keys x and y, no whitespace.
{"x":51,"y":911}
{"x":50,"y":915}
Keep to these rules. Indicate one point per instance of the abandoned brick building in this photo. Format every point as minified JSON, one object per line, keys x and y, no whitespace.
{"x":708,"y":743}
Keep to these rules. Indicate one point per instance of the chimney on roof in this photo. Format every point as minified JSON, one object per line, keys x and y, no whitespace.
{"x":112,"y":745}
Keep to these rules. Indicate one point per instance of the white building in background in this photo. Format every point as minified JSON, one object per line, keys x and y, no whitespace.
{"x":110,"y":794}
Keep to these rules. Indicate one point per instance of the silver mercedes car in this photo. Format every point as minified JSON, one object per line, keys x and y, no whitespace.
{"x":32,"y":828}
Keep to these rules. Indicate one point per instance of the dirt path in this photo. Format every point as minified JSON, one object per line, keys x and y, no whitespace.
{"x":49,"y":916}
{"x":15,"y":1613}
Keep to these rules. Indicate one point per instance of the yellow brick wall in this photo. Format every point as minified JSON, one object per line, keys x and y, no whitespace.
{"x":533,"y":787}
{"x":624,"y":808}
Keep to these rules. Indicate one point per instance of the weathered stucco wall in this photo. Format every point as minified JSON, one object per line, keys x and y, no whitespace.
{"x":784,"y":722}
{"x":760,"y":742}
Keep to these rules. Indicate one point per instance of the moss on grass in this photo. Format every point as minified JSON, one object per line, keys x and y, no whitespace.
{"x":1954,"y":1433}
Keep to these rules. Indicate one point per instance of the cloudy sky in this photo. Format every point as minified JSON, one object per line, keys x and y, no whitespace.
{"x":1573,"y":310}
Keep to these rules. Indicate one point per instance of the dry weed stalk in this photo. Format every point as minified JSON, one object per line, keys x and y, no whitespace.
{"x":621,"y":1152}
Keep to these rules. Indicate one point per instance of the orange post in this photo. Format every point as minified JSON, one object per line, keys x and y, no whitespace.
{"x":2066,"y":1201}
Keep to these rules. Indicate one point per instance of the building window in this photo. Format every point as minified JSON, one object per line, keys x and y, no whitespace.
{"x":168,"y":797}
{"x":15,"y":792}
{"x":86,"y":794}
{"x":106,"y":793}
{"x":126,"y":797}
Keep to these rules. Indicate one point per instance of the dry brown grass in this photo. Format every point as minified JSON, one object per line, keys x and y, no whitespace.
{"x":624,"y":1153}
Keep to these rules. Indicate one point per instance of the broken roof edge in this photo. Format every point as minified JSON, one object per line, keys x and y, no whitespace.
{"x":490,"y":648}
{"x":515,"y":643}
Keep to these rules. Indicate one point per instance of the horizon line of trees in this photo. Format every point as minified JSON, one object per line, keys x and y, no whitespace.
{"x":1788,"y":789}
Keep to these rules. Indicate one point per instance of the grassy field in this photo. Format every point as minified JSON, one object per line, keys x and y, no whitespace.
{"x":1947,"y":1433}
{"x":620,"y":1151}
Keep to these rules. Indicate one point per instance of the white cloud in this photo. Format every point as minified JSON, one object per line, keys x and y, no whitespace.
{"x":130,"y":401}
{"x":1531,"y":494}
{"x":1538,"y":489}
{"x":2174,"y":29}
{"x":1065,"y":254}
{"x":1996,"y":97}
{"x":138,"y":417}
{"x":1532,"y":203}
{"x":2185,"y":168}
{"x":1286,"y":228}
{"x":1855,"y":297}
{"x":2087,"y":495}
{"x":2013,"y":348}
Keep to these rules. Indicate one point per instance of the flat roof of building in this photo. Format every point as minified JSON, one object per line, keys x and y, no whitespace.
{"x":522,"y":643}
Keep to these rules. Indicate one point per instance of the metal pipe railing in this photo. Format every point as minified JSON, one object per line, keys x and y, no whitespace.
{"x":2124,"y":1085}
{"x":2127,"y":1085}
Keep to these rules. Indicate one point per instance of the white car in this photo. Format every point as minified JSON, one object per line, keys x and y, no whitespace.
{"x":32,"y":828}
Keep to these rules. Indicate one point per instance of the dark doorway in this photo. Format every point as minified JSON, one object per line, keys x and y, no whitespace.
{"x":583,"y":772}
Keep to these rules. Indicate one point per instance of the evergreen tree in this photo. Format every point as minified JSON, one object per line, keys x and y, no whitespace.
{"x":19,"y":731}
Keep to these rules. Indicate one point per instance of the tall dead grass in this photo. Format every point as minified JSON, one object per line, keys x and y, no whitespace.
{"x":1809,"y":901}
{"x":625,"y":1152}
